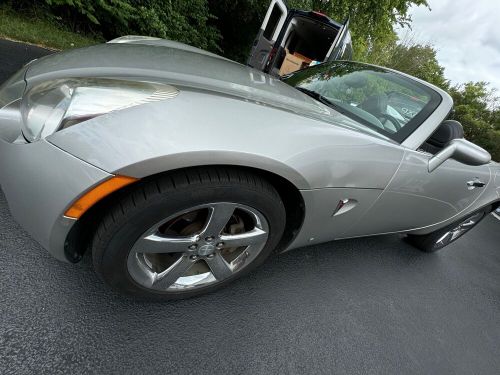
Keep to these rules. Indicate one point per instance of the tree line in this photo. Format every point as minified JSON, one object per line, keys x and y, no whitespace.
{"x":476,"y":105}
{"x":228,"y":27}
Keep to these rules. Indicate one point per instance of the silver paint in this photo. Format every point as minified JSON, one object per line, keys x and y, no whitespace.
{"x":309,"y":153}
{"x":40,"y":181}
{"x":227,"y":113}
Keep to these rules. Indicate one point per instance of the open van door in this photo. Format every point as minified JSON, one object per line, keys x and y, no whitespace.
{"x":268,"y":34}
{"x":341,"y":48}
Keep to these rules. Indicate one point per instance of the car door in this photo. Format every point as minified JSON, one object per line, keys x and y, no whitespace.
{"x":341,"y":48}
{"x":268,"y":34}
{"x":417,"y":198}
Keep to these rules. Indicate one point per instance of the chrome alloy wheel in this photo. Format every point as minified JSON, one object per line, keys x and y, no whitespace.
{"x":197,"y":247}
{"x":459,"y":230}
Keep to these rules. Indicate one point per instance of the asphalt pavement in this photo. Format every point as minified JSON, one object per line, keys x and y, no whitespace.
{"x":14,"y":55}
{"x":364,"y":306}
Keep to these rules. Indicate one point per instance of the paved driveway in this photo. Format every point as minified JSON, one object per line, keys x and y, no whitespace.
{"x":372,"y":305}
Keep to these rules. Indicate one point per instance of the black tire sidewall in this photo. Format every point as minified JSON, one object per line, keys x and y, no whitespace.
{"x":110,"y":255}
{"x":427,"y":242}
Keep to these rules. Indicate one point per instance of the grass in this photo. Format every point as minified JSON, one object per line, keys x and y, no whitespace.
{"x":39,"y":31}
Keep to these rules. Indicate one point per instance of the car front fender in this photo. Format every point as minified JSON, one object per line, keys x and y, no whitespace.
{"x":198,"y":128}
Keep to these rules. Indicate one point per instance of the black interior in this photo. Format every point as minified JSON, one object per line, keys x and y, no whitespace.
{"x":446,"y":132}
{"x":375,"y":104}
{"x":310,"y":38}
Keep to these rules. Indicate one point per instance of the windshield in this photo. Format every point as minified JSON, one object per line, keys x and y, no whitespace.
{"x":388,"y":102}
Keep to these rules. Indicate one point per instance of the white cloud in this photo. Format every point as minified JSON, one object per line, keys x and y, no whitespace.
{"x":466,"y":35}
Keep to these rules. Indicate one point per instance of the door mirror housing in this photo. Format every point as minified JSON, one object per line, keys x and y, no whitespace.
{"x":462,"y":151}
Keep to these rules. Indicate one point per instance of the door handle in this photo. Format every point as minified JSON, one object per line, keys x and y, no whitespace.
{"x":475,"y":184}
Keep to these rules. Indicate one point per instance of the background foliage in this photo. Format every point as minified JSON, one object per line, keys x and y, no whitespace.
{"x":228,"y":27}
{"x":188,"y":21}
{"x":477,"y":106}
{"x":372,"y":21}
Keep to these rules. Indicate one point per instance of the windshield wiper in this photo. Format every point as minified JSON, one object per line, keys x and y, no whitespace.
{"x":315,"y":95}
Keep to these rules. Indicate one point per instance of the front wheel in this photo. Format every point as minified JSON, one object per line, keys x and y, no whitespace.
{"x":443,"y":237}
{"x":188,"y":233}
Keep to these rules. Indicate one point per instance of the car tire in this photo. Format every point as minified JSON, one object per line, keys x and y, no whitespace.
{"x":176,"y":211}
{"x":441,"y":238}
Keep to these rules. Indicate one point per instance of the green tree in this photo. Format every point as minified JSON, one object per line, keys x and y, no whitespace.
{"x":107,"y":16}
{"x":187,"y":21}
{"x":238,"y":21}
{"x":476,"y":107}
{"x":411,"y":58}
{"x":372,"y":21}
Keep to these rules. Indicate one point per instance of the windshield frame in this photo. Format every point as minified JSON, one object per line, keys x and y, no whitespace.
{"x":408,"y":129}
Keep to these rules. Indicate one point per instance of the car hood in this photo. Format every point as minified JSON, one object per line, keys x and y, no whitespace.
{"x":184,"y":67}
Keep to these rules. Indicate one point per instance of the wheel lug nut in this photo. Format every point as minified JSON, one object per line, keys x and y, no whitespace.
{"x":193,"y":257}
{"x":209,"y":239}
{"x":192,"y":247}
{"x":220,"y":245}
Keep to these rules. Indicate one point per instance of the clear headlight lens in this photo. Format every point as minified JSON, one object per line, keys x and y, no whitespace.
{"x":56,"y":105}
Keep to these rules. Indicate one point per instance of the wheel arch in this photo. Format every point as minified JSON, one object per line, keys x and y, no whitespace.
{"x":209,"y":158}
{"x":79,"y":238}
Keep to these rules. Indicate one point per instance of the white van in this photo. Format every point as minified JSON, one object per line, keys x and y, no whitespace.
{"x":291,"y":39}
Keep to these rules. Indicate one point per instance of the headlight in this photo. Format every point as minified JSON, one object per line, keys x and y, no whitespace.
{"x":56,"y":105}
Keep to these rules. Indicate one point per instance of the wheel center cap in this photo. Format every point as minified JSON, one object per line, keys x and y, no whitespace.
{"x":206,"y":250}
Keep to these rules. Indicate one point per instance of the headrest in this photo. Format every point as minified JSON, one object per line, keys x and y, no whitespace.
{"x":447,"y":131}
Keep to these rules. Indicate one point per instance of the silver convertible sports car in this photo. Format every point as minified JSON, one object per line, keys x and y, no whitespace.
{"x":181,"y":170}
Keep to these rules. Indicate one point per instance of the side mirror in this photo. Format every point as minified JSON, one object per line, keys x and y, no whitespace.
{"x":462,"y":151}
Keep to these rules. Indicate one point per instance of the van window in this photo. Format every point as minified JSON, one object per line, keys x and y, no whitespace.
{"x":272,"y":22}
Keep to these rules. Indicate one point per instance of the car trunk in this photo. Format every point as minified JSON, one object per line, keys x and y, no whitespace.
{"x":305,"y":41}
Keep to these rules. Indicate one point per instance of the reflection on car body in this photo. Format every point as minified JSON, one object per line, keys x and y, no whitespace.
{"x":181,"y":170}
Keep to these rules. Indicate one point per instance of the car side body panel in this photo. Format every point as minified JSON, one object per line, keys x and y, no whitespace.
{"x":323,"y":222}
{"x":497,"y":178}
{"x":416,"y":199}
{"x":327,"y":163}
{"x":229,"y":114}
{"x":490,"y":195}
{"x":307,"y":152}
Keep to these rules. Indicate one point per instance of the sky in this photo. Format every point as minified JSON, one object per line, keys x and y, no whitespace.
{"x":466,"y":35}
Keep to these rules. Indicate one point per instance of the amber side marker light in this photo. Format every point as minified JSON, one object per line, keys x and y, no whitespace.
{"x":94,"y":195}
